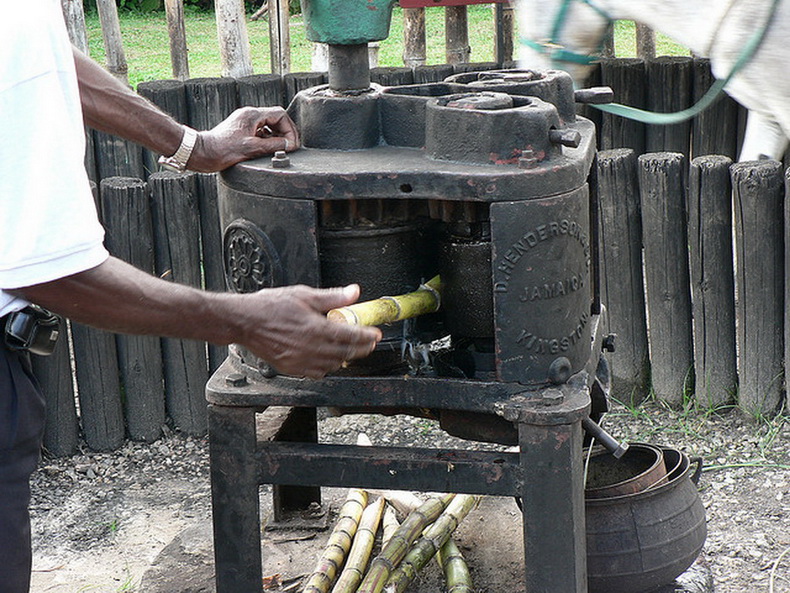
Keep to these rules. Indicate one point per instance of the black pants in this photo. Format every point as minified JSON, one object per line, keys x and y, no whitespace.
{"x":21,"y":431}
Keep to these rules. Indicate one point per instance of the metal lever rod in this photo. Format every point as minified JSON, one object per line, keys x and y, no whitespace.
{"x":615,"y":447}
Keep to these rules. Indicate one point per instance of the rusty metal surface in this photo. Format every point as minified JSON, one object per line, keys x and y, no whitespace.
{"x":413,"y":468}
{"x":485,"y":184}
{"x":542,"y":286}
{"x":393,"y":172}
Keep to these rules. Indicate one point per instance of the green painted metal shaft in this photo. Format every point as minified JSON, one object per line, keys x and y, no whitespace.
{"x":347,"y":22}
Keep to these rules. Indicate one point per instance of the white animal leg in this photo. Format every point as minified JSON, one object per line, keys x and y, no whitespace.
{"x":764,"y":138}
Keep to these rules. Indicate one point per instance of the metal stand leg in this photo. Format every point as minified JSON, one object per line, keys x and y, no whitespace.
{"x":235,"y":501}
{"x":300,"y":426}
{"x":552,"y":495}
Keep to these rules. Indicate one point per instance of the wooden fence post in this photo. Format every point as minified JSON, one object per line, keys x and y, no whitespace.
{"x":170,"y":97}
{"x":712,"y":281}
{"x":260,"y":90}
{"x":126,"y":216}
{"x":432,"y":73}
{"x":234,"y":43}
{"x":212,"y":250}
{"x":293,"y":82}
{"x":209,"y":101}
{"x":669,"y":90}
{"x":715,"y":130}
{"x":503,"y":48}
{"x":113,"y":43}
{"x":392,"y":76}
{"x":99,"y":387}
{"x":279,"y":36}
{"x":75,"y":23}
{"x":116,"y":157}
{"x":623,"y":285}
{"x":662,"y":187}
{"x":176,"y":30}
{"x":98,"y":384}
{"x":61,"y":433}
{"x":177,"y":245}
{"x":626,"y":76}
{"x":758,"y":188}
{"x":456,"y":35}
{"x":787,"y":283}
{"x":645,"y":42}
{"x":414,"y":37}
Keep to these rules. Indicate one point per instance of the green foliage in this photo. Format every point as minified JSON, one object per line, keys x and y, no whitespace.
{"x":140,"y":5}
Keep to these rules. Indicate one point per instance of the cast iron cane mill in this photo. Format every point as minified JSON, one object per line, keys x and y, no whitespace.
{"x":480,"y":180}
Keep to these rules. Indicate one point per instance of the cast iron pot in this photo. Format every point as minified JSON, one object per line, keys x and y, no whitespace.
{"x":639,"y":542}
{"x":640,"y":468}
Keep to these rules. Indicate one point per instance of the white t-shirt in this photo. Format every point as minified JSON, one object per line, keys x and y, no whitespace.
{"x":48,"y":223}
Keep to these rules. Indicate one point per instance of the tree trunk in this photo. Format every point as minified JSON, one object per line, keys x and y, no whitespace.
{"x":456,"y":35}
{"x":280,"y":36}
{"x":178,"y":38}
{"x":75,"y":23}
{"x":413,"y":37}
{"x":113,"y":44}
{"x":234,"y":44}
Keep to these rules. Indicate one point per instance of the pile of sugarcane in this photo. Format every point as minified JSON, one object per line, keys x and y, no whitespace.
{"x":346,"y":565}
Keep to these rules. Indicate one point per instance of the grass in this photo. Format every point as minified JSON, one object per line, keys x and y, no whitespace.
{"x":146,"y":44}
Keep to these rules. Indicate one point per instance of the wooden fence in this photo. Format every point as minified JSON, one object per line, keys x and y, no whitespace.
{"x":667,"y":254}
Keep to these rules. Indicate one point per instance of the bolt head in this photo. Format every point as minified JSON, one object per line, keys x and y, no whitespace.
{"x":236,"y":380}
{"x":280,"y":160}
{"x":552,"y":397}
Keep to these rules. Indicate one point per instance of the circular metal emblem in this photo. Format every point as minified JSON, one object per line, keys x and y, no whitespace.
{"x":251,"y":260}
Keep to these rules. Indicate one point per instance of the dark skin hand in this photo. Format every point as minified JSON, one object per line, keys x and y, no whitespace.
{"x":286,"y":327}
{"x":250,"y":132}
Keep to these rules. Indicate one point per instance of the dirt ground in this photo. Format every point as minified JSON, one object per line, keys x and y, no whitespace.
{"x":108,"y":522}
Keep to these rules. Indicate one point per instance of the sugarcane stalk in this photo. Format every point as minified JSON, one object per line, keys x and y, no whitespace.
{"x":339,"y":542}
{"x":382,"y":565}
{"x":455,"y":568}
{"x":358,"y":557}
{"x":387,"y":309}
{"x":433,"y":538}
{"x":389,"y":524}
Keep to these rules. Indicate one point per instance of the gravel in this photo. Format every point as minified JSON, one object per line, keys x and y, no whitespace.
{"x":100,"y":519}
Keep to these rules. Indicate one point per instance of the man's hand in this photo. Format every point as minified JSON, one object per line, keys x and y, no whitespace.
{"x":248,"y":133}
{"x":287,"y":327}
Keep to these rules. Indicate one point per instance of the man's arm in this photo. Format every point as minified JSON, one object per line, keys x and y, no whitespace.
{"x":286,"y":326}
{"x":110,"y":106}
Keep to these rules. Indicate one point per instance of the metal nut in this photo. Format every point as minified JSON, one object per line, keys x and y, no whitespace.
{"x":527,"y":160}
{"x":236,"y":380}
{"x":552,"y":397}
{"x":280,"y":160}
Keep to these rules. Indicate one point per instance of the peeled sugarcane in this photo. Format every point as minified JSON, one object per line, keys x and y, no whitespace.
{"x":433,"y":538}
{"x":339,"y":542}
{"x":456,"y":571}
{"x":359,"y":555}
{"x":388,"y":309}
{"x":391,"y":555}
{"x":389,"y":525}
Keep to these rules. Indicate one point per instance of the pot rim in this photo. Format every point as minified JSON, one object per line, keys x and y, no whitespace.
{"x":655,"y":472}
{"x":671,"y":483}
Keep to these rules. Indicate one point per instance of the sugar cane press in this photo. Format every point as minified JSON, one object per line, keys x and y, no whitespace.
{"x":480,"y":179}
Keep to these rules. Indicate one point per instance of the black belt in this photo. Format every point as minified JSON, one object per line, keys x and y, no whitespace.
{"x":32,"y":329}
